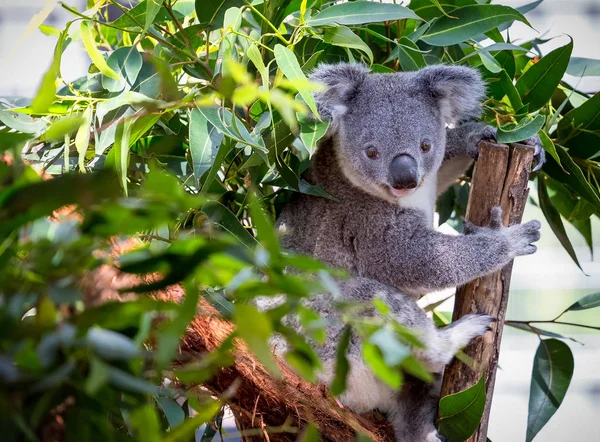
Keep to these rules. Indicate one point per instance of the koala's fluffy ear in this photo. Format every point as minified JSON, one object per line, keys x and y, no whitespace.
{"x":341,"y":82}
{"x":459,"y":90}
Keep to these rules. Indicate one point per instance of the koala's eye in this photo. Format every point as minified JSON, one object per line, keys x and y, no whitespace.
{"x":425,"y":145}
{"x":372,"y":152}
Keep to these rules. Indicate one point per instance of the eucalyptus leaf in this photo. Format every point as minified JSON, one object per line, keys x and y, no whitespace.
{"x":538,"y":83}
{"x":553,"y":217}
{"x":460,"y":413}
{"x":552,"y":372}
{"x":359,"y":12}
{"x":522,"y":131}
{"x":584,"y":67}
{"x":587,"y":302}
{"x":469,"y":21}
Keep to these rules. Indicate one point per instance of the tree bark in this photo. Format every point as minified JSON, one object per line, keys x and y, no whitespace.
{"x":500,"y":178}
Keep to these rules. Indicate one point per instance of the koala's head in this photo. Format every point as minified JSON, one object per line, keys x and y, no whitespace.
{"x":390,"y":129}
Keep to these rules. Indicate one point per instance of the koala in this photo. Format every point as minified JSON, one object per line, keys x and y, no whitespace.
{"x":396,"y":142}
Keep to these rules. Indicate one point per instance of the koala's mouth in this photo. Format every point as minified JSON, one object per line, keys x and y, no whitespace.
{"x":401,"y":193}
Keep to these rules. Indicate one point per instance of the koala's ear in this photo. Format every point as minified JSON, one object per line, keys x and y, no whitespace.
{"x":341,"y":82}
{"x":459,"y":90}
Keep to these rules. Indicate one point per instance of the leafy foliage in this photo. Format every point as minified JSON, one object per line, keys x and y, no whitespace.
{"x":193,"y":119}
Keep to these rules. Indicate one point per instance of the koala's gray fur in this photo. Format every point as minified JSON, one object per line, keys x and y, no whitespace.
{"x":384,"y":236}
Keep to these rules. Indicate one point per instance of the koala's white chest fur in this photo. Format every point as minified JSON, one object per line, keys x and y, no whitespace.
{"x":423,"y":199}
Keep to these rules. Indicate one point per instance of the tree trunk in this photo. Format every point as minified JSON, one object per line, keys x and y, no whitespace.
{"x":500,"y":179}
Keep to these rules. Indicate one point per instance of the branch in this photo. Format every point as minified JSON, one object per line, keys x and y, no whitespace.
{"x":500,"y":178}
{"x":261,"y":401}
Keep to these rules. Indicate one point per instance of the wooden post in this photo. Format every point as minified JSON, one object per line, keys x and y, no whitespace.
{"x":500,"y":178}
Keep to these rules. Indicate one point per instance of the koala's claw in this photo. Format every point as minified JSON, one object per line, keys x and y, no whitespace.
{"x":539,"y":154}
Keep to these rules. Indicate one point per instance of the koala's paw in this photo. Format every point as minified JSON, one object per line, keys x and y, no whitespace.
{"x":463,"y":330}
{"x":480,"y":132}
{"x":520,"y":238}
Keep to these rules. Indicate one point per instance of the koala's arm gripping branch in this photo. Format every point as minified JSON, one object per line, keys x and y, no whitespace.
{"x":500,"y":178}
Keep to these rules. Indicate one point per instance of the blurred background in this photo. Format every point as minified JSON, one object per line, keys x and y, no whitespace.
{"x":543,"y":284}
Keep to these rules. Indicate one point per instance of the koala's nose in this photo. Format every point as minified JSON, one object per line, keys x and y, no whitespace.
{"x":404,"y":172}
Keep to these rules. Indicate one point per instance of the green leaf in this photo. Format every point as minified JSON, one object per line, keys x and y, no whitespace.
{"x":223,"y":120}
{"x":549,"y":146}
{"x":145,"y":424}
{"x":170,"y":333}
{"x":495,"y":47}
{"x":47,"y":90}
{"x":344,"y":37}
{"x":152,"y":9}
{"x":342,"y":366}
{"x":186,"y":430}
{"x":121,"y":149}
{"x":430,"y":9}
{"x":311,"y":131}
{"x":97,"y":377}
{"x":264,"y":228}
{"x":460,"y":413}
{"x":584,"y":67}
{"x":13,"y":140}
{"x":553,"y":217}
{"x":587,"y":302}
{"x":128,"y":382}
{"x":26,"y":203}
{"x":82,"y":139}
{"x":539,"y":82}
{"x":579,"y":129}
{"x":205,"y":140}
{"x":127,"y":61}
{"x":255,"y":329}
{"x":468,"y":22}
{"x":522,"y":131}
{"x":552,"y":372}
{"x":309,"y":434}
{"x":20,"y":122}
{"x":538,"y":331}
{"x":394,"y":352}
{"x":374,"y":359}
{"x":287,"y":62}
{"x":571,"y":175}
{"x":90,"y":46}
{"x":111,"y":345}
{"x":212,"y":12}
{"x":410,"y":60}
{"x":359,"y":12}
{"x":172,"y":410}
{"x":64,"y":126}
{"x":226,"y":220}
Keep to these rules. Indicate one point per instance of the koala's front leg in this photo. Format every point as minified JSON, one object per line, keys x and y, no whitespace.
{"x":427,"y":260}
{"x":462,"y":147}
